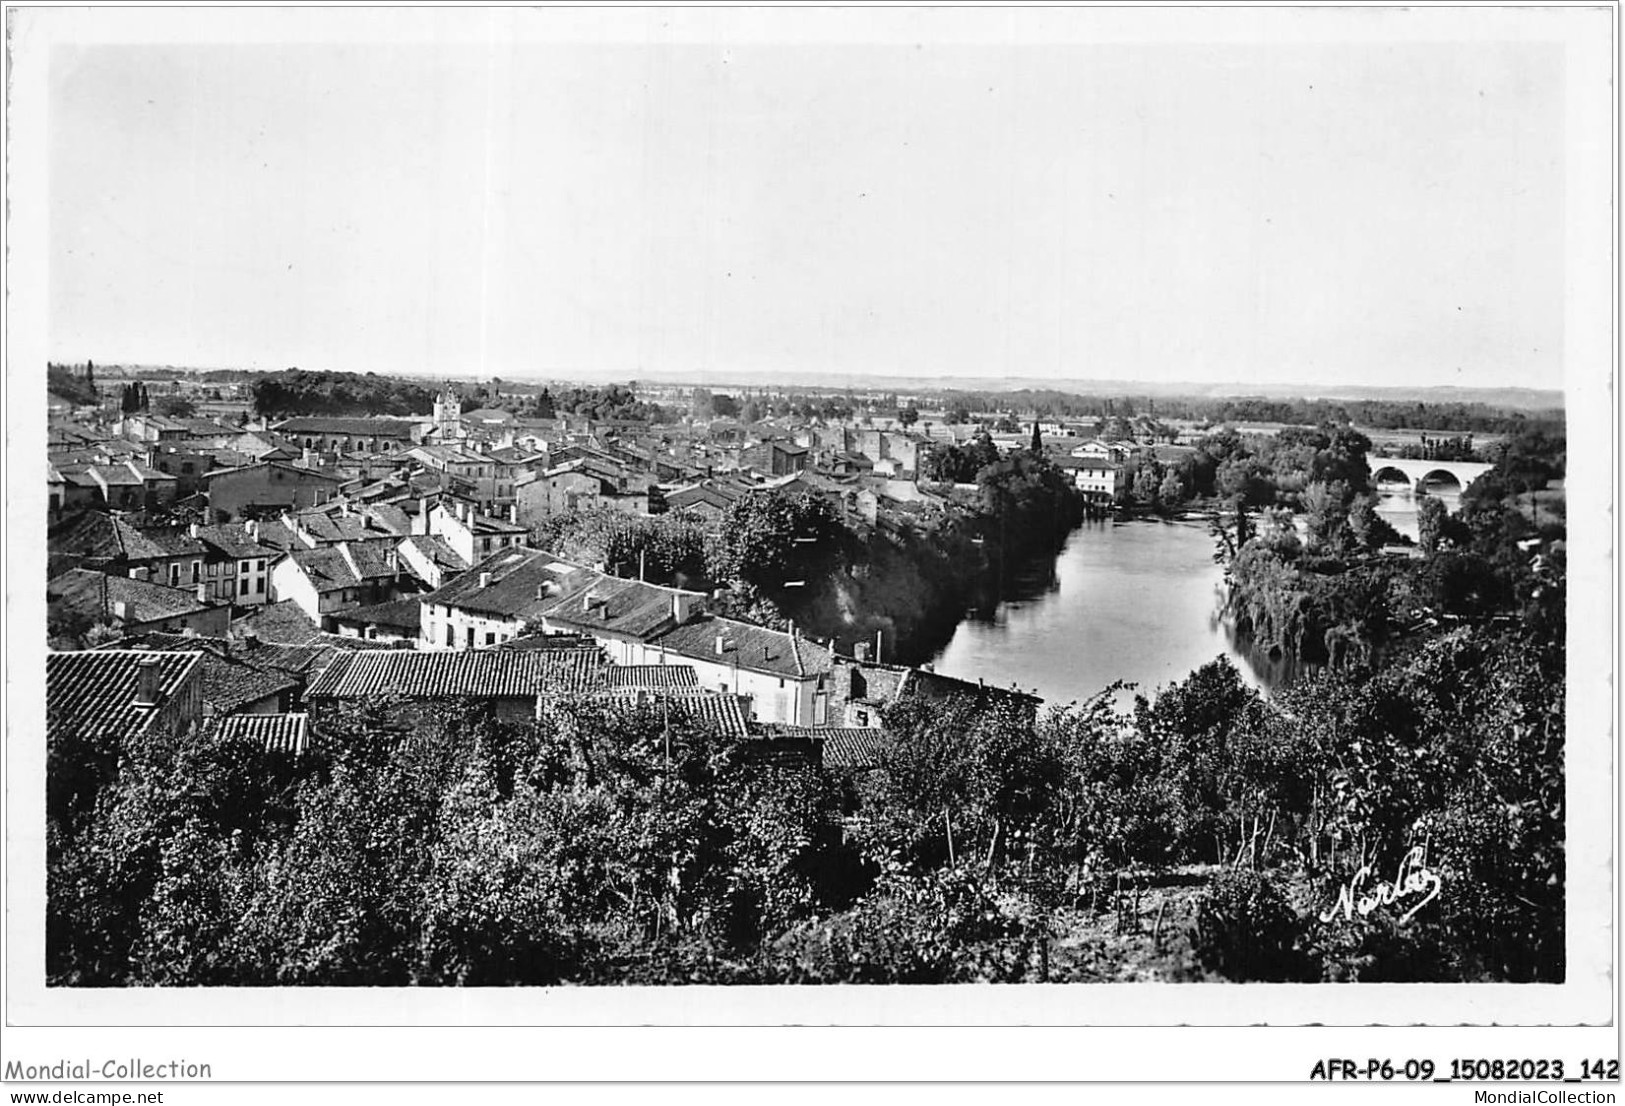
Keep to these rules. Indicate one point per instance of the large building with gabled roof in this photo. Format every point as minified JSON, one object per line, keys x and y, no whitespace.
{"x":496,"y":600}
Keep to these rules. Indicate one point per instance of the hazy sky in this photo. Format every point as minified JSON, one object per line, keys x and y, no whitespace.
{"x":1370,"y":213}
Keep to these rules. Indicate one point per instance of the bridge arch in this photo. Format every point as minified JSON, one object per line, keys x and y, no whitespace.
{"x":1442,"y":479}
{"x":1449,"y":476}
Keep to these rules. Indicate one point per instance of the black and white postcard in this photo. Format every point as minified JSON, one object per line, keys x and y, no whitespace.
{"x":810,"y":516}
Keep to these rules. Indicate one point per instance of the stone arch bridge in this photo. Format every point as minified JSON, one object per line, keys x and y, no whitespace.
{"x":1424,"y":475}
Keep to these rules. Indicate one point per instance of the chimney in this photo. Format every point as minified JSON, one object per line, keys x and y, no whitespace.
{"x":860,"y":652}
{"x":252,"y":526}
{"x":121,"y":611}
{"x":147,"y":692}
{"x":485,"y":580}
{"x":721,"y":644}
{"x":202,"y":592}
{"x":192,"y":530}
{"x":251,"y":639}
{"x":513,"y":513}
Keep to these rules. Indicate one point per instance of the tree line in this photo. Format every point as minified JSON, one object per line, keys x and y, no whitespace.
{"x":1218,"y":410}
{"x":295,"y":392}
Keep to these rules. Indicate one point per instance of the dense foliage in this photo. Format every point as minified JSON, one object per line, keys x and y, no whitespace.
{"x":664,"y":549}
{"x":133,"y":398}
{"x":589,"y":846}
{"x":299,"y":392}
{"x":608,"y":403}
{"x":599,"y":846}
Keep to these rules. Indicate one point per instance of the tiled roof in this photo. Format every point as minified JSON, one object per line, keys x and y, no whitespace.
{"x":154,"y":543}
{"x":104,"y":537}
{"x":845,"y":747}
{"x":277,"y":534}
{"x":880,"y":682}
{"x":275,"y":733}
{"x":94,"y":595}
{"x":328,"y":569}
{"x":572,"y":671}
{"x":400,"y":614}
{"x":523,"y":582}
{"x":711,"y":495}
{"x":376,"y":558}
{"x":708,"y":709}
{"x":283,"y":623}
{"x":924,"y":684}
{"x":480,"y":674}
{"x":1084,"y":464}
{"x":116,"y":475}
{"x":746,"y":645}
{"x":234,"y":540}
{"x":331,"y":528}
{"x":91,"y":534}
{"x":597,"y":603}
{"x":233,"y":674}
{"x":92,"y":694}
{"x":298,"y":660}
{"x":390,"y":518}
{"x":230,"y":685}
{"x":723,"y":713}
{"x":438,"y":550}
{"x":649,"y":677}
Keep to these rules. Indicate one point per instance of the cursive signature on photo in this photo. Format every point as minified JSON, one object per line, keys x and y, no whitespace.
{"x":1413,"y":878}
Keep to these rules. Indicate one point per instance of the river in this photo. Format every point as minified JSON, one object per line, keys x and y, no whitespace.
{"x":1134,"y":600}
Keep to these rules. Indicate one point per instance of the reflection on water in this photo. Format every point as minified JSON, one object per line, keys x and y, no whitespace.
{"x":1134,"y":600}
{"x":1397,"y":504}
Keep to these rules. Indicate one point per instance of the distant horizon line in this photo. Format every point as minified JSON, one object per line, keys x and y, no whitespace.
{"x":892,"y":382}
